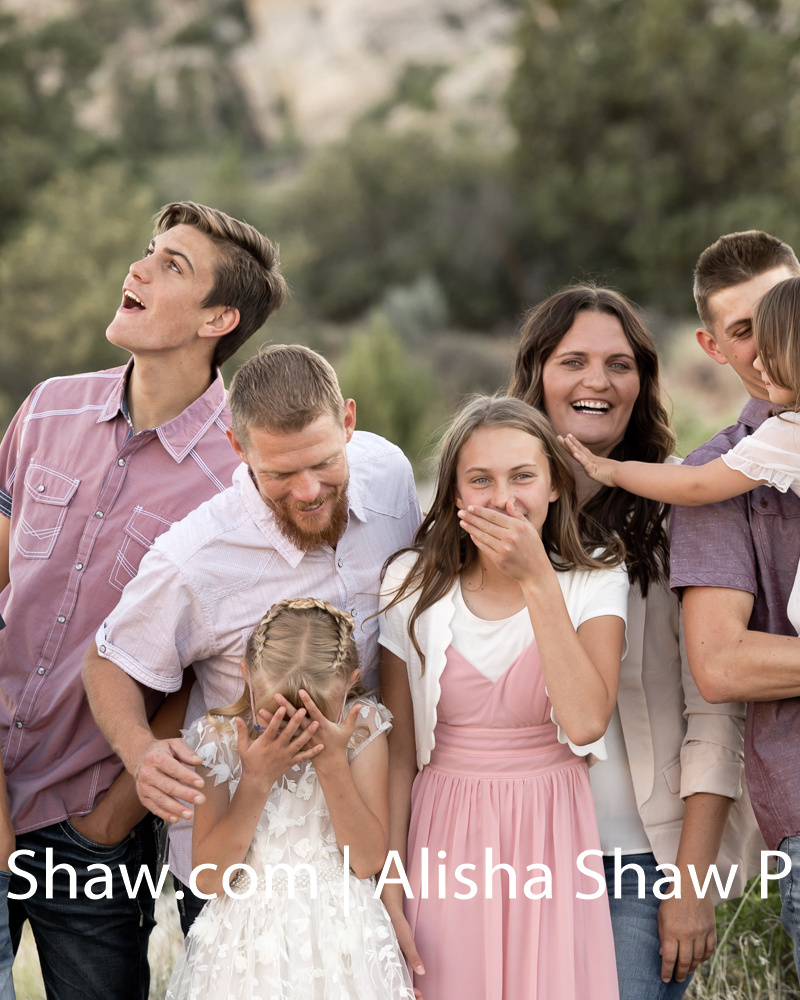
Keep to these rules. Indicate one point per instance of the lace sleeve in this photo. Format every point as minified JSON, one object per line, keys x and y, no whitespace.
{"x":373,"y":719}
{"x":216,"y":747}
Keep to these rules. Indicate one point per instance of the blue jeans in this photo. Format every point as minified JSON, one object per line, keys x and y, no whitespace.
{"x":189,"y":905}
{"x":6,"y":949}
{"x":790,"y":894}
{"x":89,"y":948}
{"x":635,"y":925}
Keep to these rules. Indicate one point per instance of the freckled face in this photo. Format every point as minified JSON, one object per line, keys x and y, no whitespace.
{"x":591,"y":381}
{"x":501,"y":464}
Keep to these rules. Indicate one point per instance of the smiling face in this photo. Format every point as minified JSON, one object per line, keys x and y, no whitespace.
{"x":731,"y":341}
{"x":498,"y":465}
{"x":777,"y":394}
{"x":302,"y":476}
{"x":591,"y":381}
{"x":162,"y":297}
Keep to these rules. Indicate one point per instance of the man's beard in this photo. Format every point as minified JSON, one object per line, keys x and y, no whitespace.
{"x":310,"y":538}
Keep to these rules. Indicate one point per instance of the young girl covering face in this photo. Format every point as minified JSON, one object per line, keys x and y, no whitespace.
{"x":290,"y":931}
{"x":495,"y":619}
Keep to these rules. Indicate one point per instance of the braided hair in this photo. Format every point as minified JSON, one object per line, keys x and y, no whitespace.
{"x":300,"y":644}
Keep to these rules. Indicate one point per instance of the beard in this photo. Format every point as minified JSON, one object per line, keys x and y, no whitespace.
{"x":327,"y":528}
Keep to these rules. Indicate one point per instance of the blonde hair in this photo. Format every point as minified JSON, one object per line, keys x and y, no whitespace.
{"x":302,"y":643}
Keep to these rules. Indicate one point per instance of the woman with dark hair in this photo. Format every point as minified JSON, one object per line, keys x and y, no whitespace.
{"x":674,"y":764}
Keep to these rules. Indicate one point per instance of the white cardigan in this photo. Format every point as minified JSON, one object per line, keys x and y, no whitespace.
{"x":607,"y":588}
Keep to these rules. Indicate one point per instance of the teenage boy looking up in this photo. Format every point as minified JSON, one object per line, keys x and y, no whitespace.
{"x":92,"y":469}
{"x":734,"y":562}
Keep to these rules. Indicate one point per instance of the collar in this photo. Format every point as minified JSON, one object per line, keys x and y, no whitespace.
{"x":264,"y":517}
{"x":756,"y":411}
{"x":181,"y":434}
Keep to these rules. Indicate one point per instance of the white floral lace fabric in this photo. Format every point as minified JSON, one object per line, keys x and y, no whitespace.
{"x":303,"y":941}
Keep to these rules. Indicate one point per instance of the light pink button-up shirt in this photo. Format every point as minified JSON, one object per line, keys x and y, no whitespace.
{"x":206,"y":583}
{"x":87,"y":499}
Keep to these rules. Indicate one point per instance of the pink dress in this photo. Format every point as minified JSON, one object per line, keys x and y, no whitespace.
{"x":499,"y":779}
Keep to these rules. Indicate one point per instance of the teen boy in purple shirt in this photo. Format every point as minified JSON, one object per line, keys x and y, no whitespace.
{"x":735,"y":562}
{"x":92,"y":469}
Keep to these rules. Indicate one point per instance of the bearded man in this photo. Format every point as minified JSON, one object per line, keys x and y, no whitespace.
{"x":314,"y":510}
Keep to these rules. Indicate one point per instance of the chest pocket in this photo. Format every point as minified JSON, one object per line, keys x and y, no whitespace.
{"x":138,"y":535}
{"x":45,"y":500}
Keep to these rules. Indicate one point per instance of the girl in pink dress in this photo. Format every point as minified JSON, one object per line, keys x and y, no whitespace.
{"x":502,"y":642}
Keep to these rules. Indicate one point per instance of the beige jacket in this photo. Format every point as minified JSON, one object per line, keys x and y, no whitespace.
{"x":677,"y":743}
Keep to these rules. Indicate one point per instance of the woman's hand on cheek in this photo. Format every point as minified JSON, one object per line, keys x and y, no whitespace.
{"x":507,"y":538}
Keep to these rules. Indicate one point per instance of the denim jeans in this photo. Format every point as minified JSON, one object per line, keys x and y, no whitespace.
{"x":6,"y":949}
{"x":189,"y":905}
{"x":635,"y":925}
{"x":89,"y":949}
{"x":790,"y":894}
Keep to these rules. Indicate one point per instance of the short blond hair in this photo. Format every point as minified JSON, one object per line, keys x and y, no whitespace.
{"x":282,"y":389}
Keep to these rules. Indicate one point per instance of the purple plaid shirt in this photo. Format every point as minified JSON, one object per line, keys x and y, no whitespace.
{"x":751,"y":543}
{"x":86,"y":498}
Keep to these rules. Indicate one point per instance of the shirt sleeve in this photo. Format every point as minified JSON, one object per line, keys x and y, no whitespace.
{"x":595,"y":593}
{"x":10,"y":450}
{"x":712,"y":545}
{"x":394,"y":621}
{"x":771,"y":453}
{"x":158,"y":628}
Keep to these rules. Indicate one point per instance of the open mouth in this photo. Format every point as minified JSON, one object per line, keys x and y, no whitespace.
{"x":590,"y":406}
{"x":131,"y":302}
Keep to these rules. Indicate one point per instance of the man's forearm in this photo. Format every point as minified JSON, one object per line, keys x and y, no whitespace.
{"x":118,"y":705}
{"x":728,"y":661}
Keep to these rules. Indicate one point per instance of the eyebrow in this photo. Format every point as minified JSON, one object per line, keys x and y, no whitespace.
{"x":173,"y":253}
{"x":585,"y":354}
{"x":516,"y":468}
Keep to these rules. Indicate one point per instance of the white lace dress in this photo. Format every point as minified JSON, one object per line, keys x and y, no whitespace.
{"x":269,"y":946}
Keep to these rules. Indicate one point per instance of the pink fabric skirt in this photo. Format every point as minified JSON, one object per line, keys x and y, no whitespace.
{"x":518,"y":797}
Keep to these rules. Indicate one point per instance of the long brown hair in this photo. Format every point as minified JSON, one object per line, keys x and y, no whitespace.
{"x":303,"y":643}
{"x":776,"y":327}
{"x":444,"y":550}
{"x":648,"y":436}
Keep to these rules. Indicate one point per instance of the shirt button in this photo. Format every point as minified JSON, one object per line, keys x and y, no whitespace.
{"x":98,"y":513}
{"x":354,"y":612}
{"x":61,"y":619}
{"x":764,"y":502}
{"x":78,"y":565}
{"x":101,"y":649}
{"x":40,"y":489}
{"x":40,"y":670}
{"x":18,"y":725}
{"x":340,"y":563}
{"x":120,"y":461}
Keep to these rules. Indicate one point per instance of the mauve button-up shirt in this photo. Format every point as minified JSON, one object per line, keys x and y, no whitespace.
{"x":751,"y":543}
{"x":87,"y":498}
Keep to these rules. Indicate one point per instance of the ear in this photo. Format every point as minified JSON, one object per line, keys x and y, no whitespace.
{"x":225,"y":319}
{"x":709,"y":344}
{"x":349,"y":418}
{"x":355,"y":677}
{"x":245,"y":671}
{"x":555,"y":493}
{"x":236,"y":445}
